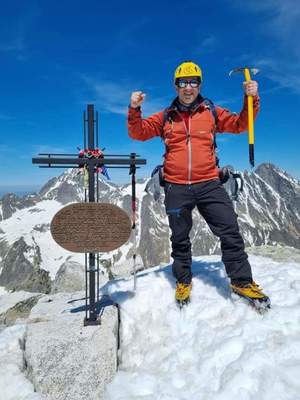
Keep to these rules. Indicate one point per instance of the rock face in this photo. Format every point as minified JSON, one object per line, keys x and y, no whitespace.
{"x":154,"y":244}
{"x":269,"y":210}
{"x":18,"y":273}
{"x":268,"y":213}
{"x":64,"y":359}
{"x":70,"y":278}
{"x":10,"y":203}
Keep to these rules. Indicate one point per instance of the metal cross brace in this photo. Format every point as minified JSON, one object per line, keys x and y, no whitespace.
{"x":52,"y":160}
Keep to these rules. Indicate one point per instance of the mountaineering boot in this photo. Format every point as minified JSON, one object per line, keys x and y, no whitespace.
{"x":253,"y":294}
{"x":183,"y":293}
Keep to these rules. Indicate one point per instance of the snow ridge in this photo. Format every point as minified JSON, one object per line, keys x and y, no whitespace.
{"x":217,"y":348}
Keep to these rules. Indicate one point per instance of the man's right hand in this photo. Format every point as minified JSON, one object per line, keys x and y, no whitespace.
{"x":136,"y":99}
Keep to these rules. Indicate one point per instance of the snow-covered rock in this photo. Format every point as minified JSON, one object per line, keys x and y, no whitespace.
{"x":16,"y":305}
{"x":13,"y":383}
{"x":14,"y":309}
{"x":65,"y":359}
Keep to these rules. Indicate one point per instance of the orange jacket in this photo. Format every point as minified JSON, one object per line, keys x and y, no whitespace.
{"x":190,"y":153}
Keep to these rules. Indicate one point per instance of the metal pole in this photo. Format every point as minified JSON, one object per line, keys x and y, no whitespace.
{"x":92,"y":269}
{"x":84,"y":130}
{"x":133,"y":207}
{"x":86,"y":286}
{"x":98,"y":277}
{"x":97,"y":130}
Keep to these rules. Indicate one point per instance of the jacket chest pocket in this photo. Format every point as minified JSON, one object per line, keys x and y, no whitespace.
{"x":174,"y":133}
{"x":203,"y":135}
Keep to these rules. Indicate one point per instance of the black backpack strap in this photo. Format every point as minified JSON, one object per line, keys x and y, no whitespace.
{"x":167,"y":115}
{"x":209,"y":104}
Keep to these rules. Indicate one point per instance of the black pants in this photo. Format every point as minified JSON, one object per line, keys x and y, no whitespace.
{"x":216,"y":208}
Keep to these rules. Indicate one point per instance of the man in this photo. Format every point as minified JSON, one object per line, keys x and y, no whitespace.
{"x":191,"y":176}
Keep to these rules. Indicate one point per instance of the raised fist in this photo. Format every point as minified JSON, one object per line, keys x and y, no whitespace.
{"x":136,"y":99}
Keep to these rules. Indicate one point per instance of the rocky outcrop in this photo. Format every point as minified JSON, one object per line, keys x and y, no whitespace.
{"x":154,"y":245}
{"x":44,"y":192}
{"x":64,"y":359}
{"x":11,"y":203}
{"x":16,"y":306}
{"x":67,"y":193}
{"x":19,"y":312}
{"x":71,"y":278}
{"x":268,"y":213}
{"x":38,"y":281}
{"x":67,"y":188}
{"x":18,"y":273}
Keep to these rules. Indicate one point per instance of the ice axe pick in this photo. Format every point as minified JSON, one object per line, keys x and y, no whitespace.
{"x":247,"y":71}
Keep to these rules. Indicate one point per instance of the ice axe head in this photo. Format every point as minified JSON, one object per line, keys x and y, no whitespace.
{"x":252,"y":70}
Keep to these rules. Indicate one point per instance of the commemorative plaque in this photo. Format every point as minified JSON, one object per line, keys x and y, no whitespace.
{"x":91,"y":227}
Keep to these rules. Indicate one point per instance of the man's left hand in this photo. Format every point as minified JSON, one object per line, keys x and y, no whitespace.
{"x":251,"y":88}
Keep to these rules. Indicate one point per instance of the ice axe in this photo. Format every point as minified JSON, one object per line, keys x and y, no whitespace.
{"x":247,"y":71}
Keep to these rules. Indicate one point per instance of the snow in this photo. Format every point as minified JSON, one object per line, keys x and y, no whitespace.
{"x":23,"y":222}
{"x":218,"y":347}
{"x":288,"y":178}
{"x":2,"y":291}
{"x":13,"y":383}
{"x":247,"y":219}
{"x":140,"y":193}
{"x":139,"y":190}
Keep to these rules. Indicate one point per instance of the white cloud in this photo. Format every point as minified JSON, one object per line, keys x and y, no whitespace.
{"x":205,"y":44}
{"x":282,"y":73}
{"x":208,"y":43}
{"x":282,"y":20}
{"x":14,"y":33}
{"x":280,"y":26}
{"x":114,"y":97}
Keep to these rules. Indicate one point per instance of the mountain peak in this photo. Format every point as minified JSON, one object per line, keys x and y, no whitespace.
{"x":265,"y":170}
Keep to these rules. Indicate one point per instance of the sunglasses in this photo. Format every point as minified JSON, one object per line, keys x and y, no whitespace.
{"x":194,"y":83}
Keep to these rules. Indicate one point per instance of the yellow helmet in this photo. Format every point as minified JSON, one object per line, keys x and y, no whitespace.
{"x":187,"y":68}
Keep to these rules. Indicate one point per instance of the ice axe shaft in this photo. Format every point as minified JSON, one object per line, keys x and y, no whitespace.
{"x":250,"y":120}
{"x":247,"y":71}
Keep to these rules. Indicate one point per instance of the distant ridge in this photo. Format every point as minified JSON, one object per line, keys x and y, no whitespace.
{"x":268,"y":213}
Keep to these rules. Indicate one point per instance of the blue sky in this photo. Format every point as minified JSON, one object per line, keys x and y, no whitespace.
{"x":58,"y":56}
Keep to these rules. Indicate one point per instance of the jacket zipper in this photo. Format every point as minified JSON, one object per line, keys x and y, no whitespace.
{"x":188,"y":138}
{"x":189,"y":144}
{"x":189,"y":151}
